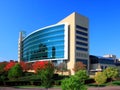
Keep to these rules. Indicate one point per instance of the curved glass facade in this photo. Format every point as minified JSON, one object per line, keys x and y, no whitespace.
{"x":49,"y":43}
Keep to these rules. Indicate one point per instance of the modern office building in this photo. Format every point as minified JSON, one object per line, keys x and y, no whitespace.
{"x":66,"y":41}
{"x":99,"y":63}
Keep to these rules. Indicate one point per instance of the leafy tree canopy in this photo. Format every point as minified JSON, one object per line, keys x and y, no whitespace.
{"x":9,"y":65}
{"x":2,"y":66}
{"x":15,"y":72}
{"x":39,"y":65}
{"x":111,"y":72}
{"x":100,"y":78}
{"x":23,"y":65}
{"x":79,"y":66}
{"x":45,"y":70}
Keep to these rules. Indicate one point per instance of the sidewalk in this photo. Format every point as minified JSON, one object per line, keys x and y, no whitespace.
{"x":105,"y":88}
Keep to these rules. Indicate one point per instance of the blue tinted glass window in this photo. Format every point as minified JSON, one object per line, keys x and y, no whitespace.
{"x":106,"y":61}
{"x":44,"y":44}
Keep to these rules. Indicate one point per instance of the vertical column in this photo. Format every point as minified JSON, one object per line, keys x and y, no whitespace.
{"x":20,"y":47}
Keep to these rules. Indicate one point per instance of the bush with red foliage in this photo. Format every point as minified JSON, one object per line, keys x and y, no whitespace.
{"x":23,"y":65}
{"x":79,"y":66}
{"x":9,"y":65}
{"x":39,"y":65}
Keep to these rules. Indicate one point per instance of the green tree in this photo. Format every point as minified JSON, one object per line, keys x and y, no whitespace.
{"x":100,"y":78}
{"x":2,"y":66}
{"x":82,"y":75}
{"x":118,"y":67}
{"x":46,"y":74}
{"x":15,"y":72}
{"x":111,"y":72}
{"x":76,"y":82}
{"x":3,"y":74}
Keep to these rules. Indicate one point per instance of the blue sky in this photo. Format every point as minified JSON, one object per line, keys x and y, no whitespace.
{"x":30,"y":15}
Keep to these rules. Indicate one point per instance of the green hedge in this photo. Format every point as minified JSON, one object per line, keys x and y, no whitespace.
{"x":30,"y":78}
{"x":19,"y":83}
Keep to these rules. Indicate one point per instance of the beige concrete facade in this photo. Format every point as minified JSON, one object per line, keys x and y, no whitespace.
{"x":73,"y":20}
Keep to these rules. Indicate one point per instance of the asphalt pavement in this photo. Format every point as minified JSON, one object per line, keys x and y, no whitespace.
{"x":90,"y":88}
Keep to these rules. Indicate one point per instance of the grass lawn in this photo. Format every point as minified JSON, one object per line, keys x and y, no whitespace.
{"x":35,"y":87}
{"x":114,"y":83}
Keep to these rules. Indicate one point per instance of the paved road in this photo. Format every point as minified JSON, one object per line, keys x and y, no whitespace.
{"x":91,"y":88}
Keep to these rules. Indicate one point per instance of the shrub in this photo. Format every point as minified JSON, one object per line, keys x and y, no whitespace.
{"x":28,"y":73}
{"x":100,"y":78}
{"x":30,"y":78}
{"x":76,"y":82}
{"x":73,"y":83}
{"x":89,"y":80}
{"x":2,"y":77}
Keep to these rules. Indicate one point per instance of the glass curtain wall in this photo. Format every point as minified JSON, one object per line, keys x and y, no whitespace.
{"x":43,"y":44}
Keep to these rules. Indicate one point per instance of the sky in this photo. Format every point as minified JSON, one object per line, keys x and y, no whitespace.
{"x":30,"y":15}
